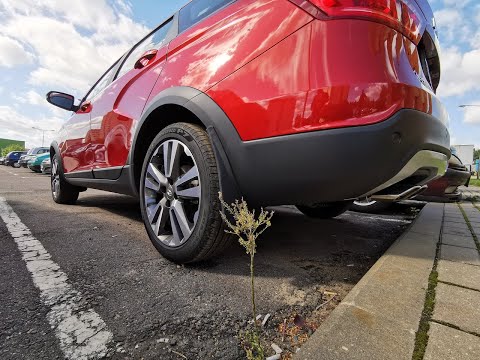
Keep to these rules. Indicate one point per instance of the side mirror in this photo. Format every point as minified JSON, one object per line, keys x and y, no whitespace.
{"x":62,"y":100}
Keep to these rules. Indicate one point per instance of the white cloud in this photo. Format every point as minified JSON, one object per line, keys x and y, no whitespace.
{"x":472,"y":114}
{"x":457,"y":3}
{"x":450,"y":25}
{"x":460,"y":71}
{"x":74,"y":42}
{"x":12,"y":53}
{"x":22,"y":126}
{"x":33,"y":98}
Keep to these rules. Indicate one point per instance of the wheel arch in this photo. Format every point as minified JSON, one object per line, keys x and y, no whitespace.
{"x":183,"y":104}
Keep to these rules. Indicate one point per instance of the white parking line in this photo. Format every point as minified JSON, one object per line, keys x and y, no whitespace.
{"x":81,"y":331}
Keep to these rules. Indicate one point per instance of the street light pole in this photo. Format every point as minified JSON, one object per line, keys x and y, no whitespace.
{"x":43,"y":133}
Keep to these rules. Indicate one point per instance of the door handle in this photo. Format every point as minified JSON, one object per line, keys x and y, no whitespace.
{"x":86,"y":107}
{"x":145,"y":59}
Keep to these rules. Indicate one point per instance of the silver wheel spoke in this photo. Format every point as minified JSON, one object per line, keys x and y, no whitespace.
{"x":176,"y":238}
{"x":190,"y":193}
{"x":181,"y":218}
{"x":161,"y":221}
{"x":190,"y":175}
{"x":153,"y":212}
{"x":151,"y":185}
{"x":157,"y":175}
{"x":171,"y":158}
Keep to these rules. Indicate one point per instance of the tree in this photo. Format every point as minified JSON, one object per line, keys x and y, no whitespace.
{"x":476,"y":154}
{"x":10,"y":148}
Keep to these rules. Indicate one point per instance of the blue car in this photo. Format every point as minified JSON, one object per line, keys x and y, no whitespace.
{"x":12,"y":158}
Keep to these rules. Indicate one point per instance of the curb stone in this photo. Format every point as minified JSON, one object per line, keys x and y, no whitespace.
{"x":378,"y":319}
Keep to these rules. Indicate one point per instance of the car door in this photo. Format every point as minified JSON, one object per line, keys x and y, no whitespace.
{"x":75,"y":134}
{"x":115,"y":110}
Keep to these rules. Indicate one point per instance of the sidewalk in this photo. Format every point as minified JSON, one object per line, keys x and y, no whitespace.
{"x":471,"y":192}
{"x":422,"y":296}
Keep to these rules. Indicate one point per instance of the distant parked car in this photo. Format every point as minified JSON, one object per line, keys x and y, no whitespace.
{"x":46,"y":166}
{"x":35,"y":163}
{"x":444,"y":189}
{"x":12,"y":158}
{"x":2,"y":160}
{"x":24,"y":159}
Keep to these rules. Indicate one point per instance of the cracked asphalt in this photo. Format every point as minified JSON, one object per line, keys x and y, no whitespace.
{"x":101,"y":245}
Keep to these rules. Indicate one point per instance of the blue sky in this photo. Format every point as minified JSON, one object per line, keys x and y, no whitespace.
{"x":65,"y":45}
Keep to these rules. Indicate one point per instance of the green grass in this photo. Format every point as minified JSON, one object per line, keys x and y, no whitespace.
{"x":421,"y":337}
{"x":474,"y":181}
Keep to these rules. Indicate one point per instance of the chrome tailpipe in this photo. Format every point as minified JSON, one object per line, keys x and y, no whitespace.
{"x":406,"y":195}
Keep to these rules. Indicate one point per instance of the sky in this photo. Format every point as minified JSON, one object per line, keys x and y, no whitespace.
{"x":65,"y":45}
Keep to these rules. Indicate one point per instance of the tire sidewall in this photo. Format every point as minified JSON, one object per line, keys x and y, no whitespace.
{"x":194,"y":245}
{"x":58,"y":195}
{"x":67,"y":194}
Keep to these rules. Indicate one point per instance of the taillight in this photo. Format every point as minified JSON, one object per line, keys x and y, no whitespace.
{"x":402,"y":15}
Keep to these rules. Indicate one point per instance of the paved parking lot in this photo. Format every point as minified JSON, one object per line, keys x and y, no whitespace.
{"x":139,"y":305}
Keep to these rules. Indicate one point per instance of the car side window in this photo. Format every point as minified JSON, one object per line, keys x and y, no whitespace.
{"x":198,"y":10}
{"x":101,"y":85}
{"x":154,"y":41}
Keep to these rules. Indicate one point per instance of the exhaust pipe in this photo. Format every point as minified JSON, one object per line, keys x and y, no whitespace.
{"x":406,"y":195}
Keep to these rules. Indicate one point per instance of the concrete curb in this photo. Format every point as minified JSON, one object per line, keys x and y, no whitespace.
{"x":379,"y":317}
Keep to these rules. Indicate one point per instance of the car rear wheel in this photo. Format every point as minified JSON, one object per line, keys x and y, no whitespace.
{"x":325,"y":210}
{"x":179,"y":195}
{"x":62,"y":192}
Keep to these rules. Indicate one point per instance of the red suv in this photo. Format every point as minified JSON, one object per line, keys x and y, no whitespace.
{"x":312,"y":103}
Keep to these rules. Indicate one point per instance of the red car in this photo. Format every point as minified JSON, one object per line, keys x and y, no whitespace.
{"x":276,"y":101}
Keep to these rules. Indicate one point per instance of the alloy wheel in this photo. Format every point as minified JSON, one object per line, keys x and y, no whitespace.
{"x":55,"y":178}
{"x":172,"y":192}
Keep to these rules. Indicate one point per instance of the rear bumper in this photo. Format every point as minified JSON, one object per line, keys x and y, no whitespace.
{"x":340,"y":164}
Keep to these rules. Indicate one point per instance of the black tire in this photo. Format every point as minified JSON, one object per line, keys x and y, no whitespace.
{"x":325,"y":210}
{"x":62,"y":192}
{"x":207,"y":237}
{"x":371,"y":207}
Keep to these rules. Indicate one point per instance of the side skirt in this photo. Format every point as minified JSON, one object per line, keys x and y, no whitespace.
{"x":121,"y":185}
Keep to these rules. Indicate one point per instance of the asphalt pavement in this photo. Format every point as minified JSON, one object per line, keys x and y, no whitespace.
{"x":84,"y":281}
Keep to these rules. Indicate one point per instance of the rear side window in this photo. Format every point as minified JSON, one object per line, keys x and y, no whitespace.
{"x":198,"y":10}
{"x":101,"y":85}
{"x":154,"y":41}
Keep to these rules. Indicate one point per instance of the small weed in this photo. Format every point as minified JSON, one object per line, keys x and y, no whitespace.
{"x":252,"y":345}
{"x":247,"y":227}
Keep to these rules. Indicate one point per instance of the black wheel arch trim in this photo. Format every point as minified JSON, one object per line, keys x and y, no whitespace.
{"x":216,"y":123}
